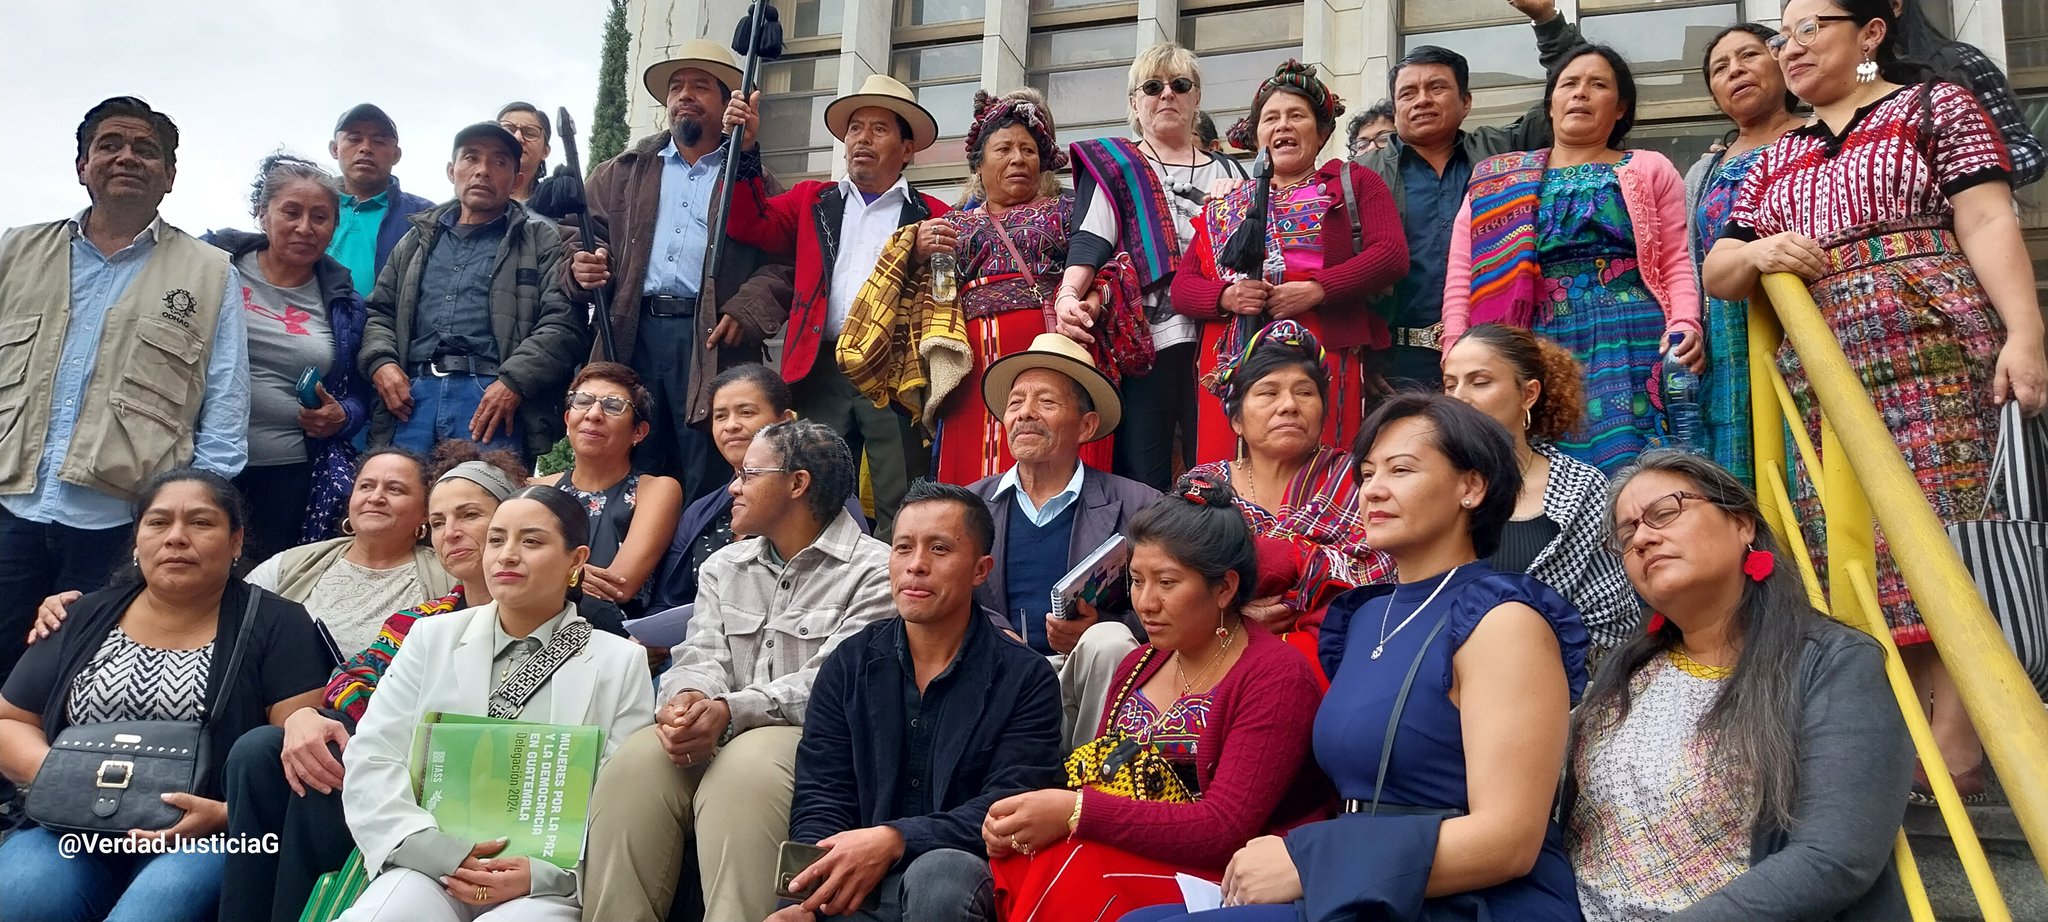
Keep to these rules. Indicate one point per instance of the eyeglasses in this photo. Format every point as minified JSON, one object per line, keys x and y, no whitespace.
{"x":1659,"y":513}
{"x":525,"y":132}
{"x":1804,"y":33}
{"x":1181,"y":86}
{"x":613,"y":406}
{"x":746,"y":475}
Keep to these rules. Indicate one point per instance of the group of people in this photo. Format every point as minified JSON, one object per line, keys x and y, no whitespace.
{"x":1421,"y":383}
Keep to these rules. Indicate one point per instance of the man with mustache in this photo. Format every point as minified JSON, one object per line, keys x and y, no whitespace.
{"x":651,"y":206}
{"x":836,"y":232}
{"x":373,"y":208}
{"x":469,"y":333}
{"x":122,"y":347}
{"x":1427,"y":165}
{"x":1051,"y":511}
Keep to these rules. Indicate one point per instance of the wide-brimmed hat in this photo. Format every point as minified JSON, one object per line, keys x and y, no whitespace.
{"x":888,"y":93}
{"x":1057,"y":353}
{"x":701,"y":53}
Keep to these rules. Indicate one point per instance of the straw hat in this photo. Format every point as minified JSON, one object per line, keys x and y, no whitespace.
{"x":1057,"y":353}
{"x":701,"y":53}
{"x":886,"y":92}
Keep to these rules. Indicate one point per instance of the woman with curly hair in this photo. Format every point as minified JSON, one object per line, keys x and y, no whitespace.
{"x":1534,"y":389}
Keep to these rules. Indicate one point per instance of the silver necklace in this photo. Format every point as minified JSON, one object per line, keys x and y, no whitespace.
{"x":1381,"y":647}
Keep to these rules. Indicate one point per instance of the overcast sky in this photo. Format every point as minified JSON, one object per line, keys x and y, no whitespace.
{"x":244,"y":78}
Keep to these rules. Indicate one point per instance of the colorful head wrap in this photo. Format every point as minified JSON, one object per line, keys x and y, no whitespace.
{"x":1292,"y":75}
{"x":1289,"y":334}
{"x":1020,"y":107}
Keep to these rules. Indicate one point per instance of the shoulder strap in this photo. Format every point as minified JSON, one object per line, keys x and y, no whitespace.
{"x":1123,"y":694}
{"x":1401,"y":704}
{"x":1351,"y":208}
{"x":511,"y":695}
{"x":1003,"y":234}
{"x":227,"y":678}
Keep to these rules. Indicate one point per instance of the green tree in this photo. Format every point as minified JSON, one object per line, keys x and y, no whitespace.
{"x":608,"y":136}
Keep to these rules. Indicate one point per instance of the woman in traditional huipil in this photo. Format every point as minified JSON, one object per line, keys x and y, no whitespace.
{"x":1894,"y":207}
{"x":1584,"y":243}
{"x":1013,"y":246}
{"x":1750,"y":90}
{"x":1329,"y":271}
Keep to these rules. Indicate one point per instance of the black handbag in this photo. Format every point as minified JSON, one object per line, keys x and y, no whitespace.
{"x":110,"y":777}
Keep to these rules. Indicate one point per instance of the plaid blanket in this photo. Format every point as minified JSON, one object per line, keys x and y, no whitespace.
{"x":898,"y":344}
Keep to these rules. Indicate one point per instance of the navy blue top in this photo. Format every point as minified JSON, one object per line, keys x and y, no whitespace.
{"x":1430,"y":207}
{"x":1034,"y":558}
{"x":1427,"y":768}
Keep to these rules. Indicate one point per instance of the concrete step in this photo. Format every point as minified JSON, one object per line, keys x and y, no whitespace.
{"x":2012,"y":863}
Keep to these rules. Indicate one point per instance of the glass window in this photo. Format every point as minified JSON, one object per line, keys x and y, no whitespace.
{"x":1421,"y":15}
{"x":2026,"y":41}
{"x":1238,"y":51}
{"x":944,"y":77}
{"x":1683,"y":142}
{"x":1506,"y":77}
{"x":1084,"y":75}
{"x":929,"y":12}
{"x":1664,"y":48}
{"x":794,"y":95}
{"x":813,"y":18}
{"x":1047,"y":6}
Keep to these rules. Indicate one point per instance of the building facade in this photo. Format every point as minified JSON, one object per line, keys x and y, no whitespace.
{"x":1078,"y":53}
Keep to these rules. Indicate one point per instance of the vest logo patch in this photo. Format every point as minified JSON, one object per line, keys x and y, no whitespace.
{"x":179,"y":306}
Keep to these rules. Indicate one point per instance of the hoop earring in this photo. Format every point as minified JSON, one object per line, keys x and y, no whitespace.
{"x":348,"y":527}
{"x":423,"y":532}
{"x":1528,"y":419}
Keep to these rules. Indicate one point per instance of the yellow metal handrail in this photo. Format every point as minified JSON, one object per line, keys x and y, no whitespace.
{"x":1862,"y":477}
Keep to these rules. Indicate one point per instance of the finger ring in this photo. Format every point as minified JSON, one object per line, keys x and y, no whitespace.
{"x":482,"y":894}
{"x":1014,"y":846}
{"x":689,"y":760}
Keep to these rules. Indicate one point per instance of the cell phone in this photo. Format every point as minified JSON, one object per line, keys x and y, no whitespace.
{"x":308,"y":388}
{"x":327,"y":640}
{"x":791,"y":861}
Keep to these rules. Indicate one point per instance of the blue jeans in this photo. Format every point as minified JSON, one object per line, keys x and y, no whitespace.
{"x":941,"y":885}
{"x":442,"y":409}
{"x":37,"y":884}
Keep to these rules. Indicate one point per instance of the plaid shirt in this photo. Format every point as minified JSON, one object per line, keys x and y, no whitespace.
{"x":1986,"y":82}
{"x":898,"y":344}
{"x":761,"y":629}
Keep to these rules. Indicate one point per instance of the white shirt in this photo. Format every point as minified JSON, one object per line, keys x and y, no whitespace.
{"x":1039,"y":515}
{"x":863,"y":231}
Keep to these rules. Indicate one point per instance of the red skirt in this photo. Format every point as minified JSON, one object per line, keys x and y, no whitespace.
{"x":1077,"y":881}
{"x":971,"y":443}
{"x":1216,"y":441}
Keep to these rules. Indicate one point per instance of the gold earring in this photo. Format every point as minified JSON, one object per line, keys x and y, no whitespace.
{"x":575,"y":577}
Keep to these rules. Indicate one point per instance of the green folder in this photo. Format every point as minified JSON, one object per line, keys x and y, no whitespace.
{"x":528,"y":783}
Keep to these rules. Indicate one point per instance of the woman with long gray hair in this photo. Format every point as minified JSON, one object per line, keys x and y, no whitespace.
{"x":1742,"y":758}
{"x":303,"y":315}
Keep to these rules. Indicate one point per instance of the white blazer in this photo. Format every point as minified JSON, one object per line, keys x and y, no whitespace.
{"x":445,"y":665}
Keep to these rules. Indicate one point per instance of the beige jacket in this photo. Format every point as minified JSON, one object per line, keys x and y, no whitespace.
{"x":761,"y":630}
{"x":148,"y":379}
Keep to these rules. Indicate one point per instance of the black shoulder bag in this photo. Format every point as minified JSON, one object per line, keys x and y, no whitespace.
{"x":108,"y":778}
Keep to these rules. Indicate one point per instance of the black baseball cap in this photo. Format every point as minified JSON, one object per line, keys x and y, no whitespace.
{"x":490,"y":131}
{"x":366,"y":112}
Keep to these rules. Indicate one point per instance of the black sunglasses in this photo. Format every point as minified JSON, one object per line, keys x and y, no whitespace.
{"x":1181,"y":86}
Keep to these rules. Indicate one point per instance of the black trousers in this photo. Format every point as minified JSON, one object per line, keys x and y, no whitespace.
{"x":662,"y":356}
{"x":312,"y":834}
{"x":1158,"y":408}
{"x":38,"y":560}
{"x":276,"y":496}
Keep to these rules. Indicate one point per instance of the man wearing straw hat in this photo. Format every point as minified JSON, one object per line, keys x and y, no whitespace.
{"x":651,"y":206}
{"x":1051,"y":511}
{"x":836,"y":231}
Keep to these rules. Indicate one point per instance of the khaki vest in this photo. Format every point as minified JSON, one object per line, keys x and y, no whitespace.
{"x":149,"y":376}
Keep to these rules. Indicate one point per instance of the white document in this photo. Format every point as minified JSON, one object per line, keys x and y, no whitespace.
{"x":1198,"y":894}
{"x":664,"y":628}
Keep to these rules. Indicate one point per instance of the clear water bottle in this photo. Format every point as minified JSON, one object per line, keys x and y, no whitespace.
{"x":1682,"y":402}
{"x":945,"y":283}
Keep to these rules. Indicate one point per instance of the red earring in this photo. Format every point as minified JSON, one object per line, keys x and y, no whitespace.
{"x":1656,"y":624}
{"x":1759,"y":565}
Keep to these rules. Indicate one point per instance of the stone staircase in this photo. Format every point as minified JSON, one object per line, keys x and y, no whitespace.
{"x":2012,"y":862}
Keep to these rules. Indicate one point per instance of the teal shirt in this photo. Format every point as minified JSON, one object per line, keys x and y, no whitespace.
{"x":355,"y":238}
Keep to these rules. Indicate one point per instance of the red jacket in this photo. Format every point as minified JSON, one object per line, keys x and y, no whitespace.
{"x":805,"y":221}
{"x":1350,"y":280}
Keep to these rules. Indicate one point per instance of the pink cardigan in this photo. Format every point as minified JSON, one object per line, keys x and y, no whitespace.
{"x":1655,"y":197}
{"x":1253,"y":763}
